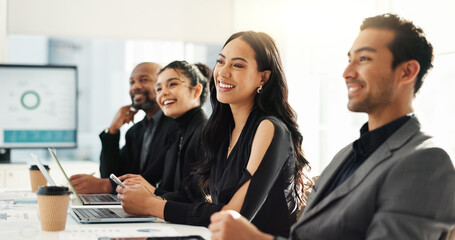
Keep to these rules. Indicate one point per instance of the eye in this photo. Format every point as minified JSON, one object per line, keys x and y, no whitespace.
{"x":158,"y":89}
{"x":364,"y":58}
{"x":238,"y":65}
{"x":144,"y":80}
{"x":219,"y":61}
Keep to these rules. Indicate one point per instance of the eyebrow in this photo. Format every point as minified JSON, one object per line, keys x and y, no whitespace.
{"x":141,"y":76}
{"x":170,"y":79}
{"x":368,"y":49}
{"x":235,"y":58}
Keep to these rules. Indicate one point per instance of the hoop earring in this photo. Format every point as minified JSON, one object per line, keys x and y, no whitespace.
{"x":259,"y":90}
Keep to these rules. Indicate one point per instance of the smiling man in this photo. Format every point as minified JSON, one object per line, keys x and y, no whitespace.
{"x":394,"y":182}
{"x":146,"y":141}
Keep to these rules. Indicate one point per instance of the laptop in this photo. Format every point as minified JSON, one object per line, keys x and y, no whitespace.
{"x":97,"y":214}
{"x":88,"y":199}
{"x":94,"y":214}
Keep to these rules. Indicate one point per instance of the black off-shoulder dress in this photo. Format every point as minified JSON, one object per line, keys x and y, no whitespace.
{"x":270,"y":202}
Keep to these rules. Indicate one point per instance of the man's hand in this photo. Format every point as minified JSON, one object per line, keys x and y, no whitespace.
{"x":132,"y":179}
{"x":139,"y":201}
{"x":84,"y":183}
{"x":230,"y":224}
{"x":124,"y":115}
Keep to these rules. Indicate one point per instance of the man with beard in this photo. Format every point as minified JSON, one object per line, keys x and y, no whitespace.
{"x":146,"y":141}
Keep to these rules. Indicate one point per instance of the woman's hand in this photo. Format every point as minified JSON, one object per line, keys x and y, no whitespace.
{"x":231,"y":225}
{"x":132,"y":179}
{"x":137,"y":200}
{"x":85,"y":183}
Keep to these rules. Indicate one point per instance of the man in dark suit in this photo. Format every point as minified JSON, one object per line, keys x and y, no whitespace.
{"x":394,"y":182}
{"x":146,"y":141}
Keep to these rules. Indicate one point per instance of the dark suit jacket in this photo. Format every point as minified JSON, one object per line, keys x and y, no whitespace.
{"x":127,"y":159}
{"x":404,"y":190}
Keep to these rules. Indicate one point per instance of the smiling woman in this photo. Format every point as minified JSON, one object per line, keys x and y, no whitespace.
{"x":254,"y":161}
{"x":180,"y":90}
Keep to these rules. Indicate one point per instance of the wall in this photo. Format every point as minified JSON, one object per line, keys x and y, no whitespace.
{"x":314,"y":37}
{"x":151,"y":19}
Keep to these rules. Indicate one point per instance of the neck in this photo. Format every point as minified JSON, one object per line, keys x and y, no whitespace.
{"x":380,"y":118}
{"x":149,"y":113}
{"x":240,"y":114}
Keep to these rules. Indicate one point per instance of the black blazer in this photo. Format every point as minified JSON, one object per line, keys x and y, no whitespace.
{"x":127,"y":159}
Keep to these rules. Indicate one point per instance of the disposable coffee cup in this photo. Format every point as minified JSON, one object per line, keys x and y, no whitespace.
{"x":37,"y":178}
{"x":53,"y":207}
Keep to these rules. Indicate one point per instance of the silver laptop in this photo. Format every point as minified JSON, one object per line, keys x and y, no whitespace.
{"x":88,"y":199}
{"x":95,"y":214}
{"x":107,"y":215}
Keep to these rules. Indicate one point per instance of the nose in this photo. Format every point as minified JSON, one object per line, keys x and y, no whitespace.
{"x":163,"y":92}
{"x":222,"y":71}
{"x":350,"y":71}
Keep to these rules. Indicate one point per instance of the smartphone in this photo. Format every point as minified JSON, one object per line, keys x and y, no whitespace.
{"x":116,"y":180}
{"x":195,"y":237}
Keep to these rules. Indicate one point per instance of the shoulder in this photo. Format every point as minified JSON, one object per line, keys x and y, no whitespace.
{"x":275,"y":125}
{"x":426,"y":154}
{"x":137,"y":127}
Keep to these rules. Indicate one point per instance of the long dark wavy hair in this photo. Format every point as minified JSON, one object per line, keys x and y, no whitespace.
{"x":273,"y":100}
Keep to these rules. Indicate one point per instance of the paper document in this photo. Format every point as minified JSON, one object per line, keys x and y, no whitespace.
{"x":117,"y":231}
{"x":14,"y":215}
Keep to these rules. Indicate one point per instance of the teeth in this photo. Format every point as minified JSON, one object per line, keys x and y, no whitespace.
{"x":352,"y":89}
{"x":166,"y":102}
{"x":223,"y":85}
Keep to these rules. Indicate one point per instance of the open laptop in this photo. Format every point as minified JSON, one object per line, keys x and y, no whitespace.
{"x":88,"y":199}
{"x":94,"y":214}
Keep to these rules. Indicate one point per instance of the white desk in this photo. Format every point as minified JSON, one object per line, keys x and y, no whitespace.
{"x":31,"y":229}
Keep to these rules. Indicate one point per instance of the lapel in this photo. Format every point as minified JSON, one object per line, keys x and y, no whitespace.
{"x":384,"y":152}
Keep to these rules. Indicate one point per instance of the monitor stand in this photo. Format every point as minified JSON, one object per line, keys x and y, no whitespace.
{"x":5,"y":155}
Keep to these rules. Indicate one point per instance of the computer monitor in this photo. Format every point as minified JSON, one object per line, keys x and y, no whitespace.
{"x":38,"y":107}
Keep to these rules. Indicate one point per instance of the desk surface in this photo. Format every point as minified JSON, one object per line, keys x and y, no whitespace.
{"x":16,"y":227}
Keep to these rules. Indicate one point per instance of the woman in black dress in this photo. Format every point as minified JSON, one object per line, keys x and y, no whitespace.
{"x":254,"y":160}
{"x":181,"y":89}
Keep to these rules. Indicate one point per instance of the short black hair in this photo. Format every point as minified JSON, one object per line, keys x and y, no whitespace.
{"x":409,"y":43}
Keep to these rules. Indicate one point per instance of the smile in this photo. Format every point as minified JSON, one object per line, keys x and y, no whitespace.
{"x":225,"y":85}
{"x":354,"y":88}
{"x":168,"y":101}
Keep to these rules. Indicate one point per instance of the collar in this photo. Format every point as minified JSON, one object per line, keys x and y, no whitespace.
{"x":369,"y":141}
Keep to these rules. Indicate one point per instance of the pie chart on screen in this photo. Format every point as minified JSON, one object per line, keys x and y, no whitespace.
{"x":30,"y":100}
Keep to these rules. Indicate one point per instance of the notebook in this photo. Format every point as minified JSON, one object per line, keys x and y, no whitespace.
{"x":87,"y":199}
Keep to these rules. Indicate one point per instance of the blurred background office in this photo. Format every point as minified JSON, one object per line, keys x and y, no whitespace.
{"x":105,"y":39}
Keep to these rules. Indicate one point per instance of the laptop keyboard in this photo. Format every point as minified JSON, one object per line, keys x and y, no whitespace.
{"x":96,"y":213}
{"x":99,"y":198}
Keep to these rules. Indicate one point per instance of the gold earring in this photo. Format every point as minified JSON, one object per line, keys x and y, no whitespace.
{"x":259,"y":90}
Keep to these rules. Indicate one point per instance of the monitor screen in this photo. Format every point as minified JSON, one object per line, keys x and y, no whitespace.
{"x":38,"y":106}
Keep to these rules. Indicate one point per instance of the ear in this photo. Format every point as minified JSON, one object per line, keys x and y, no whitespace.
{"x":197,"y":91}
{"x":409,"y":71}
{"x":265,"y":76}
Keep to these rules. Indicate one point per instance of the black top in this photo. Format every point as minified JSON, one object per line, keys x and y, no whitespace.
{"x":185,"y":151}
{"x":127,"y":159}
{"x":270,"y":201}
{"x":363,"y":147}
